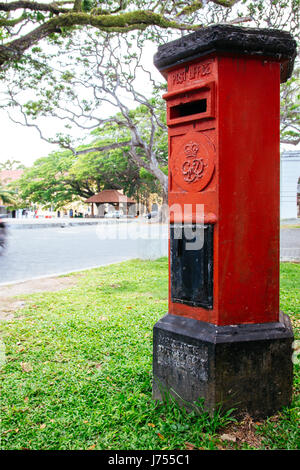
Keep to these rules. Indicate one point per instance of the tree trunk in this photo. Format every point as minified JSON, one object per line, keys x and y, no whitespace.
{"x":163,"y":213}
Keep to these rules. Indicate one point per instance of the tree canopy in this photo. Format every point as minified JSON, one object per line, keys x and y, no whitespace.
{"x":96,"y":59}
{"x":88,"y":71}
{"x":7,"y":196}
{"x":25,"y":23}
{"x":11,"y":164}
{"x":64,"y":176}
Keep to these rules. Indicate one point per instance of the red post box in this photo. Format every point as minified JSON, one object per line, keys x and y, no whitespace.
{"x":224,"y":339}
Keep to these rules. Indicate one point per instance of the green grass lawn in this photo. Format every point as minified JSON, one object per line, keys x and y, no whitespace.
{"x":78,"y":369}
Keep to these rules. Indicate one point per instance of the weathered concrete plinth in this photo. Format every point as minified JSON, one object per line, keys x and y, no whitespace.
{"x":246,"y":367}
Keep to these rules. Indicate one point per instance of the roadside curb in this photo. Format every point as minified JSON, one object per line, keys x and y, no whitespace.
{"x":64,"y":224}
{"x":61,"y":274}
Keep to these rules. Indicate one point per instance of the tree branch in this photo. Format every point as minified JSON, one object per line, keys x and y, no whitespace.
{"x":124,"y":22}
{"x":103,"y":148}
{"x":33,"y":6}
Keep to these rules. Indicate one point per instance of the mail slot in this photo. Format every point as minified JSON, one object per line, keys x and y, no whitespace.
{"x":191,"y":103}
{"x":189,"y":108}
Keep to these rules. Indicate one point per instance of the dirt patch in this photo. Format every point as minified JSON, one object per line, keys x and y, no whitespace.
{"x":242,"y":432}
{"x":8,"y":307}
{"x":52,"y":284}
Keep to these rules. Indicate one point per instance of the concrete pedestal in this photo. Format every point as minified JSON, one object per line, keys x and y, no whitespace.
{"x":246,"y":367}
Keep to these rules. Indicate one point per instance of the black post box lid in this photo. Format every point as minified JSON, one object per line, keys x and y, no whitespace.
{"x":274,"y":43}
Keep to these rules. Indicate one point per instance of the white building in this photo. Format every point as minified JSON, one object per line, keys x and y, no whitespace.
{"x":289,"y":183}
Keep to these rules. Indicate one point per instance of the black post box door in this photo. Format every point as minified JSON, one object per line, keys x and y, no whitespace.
{"x":192,"y":269}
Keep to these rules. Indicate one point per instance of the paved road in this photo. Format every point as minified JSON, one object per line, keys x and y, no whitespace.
{"x":40,"y":252}
{"x":290,"y":244}
{"x":33,"y":253}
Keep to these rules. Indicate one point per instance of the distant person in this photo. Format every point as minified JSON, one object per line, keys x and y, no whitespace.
{"x":3,"y":235}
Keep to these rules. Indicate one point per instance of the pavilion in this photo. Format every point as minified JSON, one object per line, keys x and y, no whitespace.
{"x":112,"y":197}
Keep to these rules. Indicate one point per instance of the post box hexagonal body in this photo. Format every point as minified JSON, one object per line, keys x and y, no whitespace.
{"x":223,"y":110}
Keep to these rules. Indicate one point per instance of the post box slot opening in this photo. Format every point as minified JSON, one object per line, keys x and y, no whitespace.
{"x":188,"y":109}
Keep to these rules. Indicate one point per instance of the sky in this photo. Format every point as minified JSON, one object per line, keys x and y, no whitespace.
{"x":21,"y":143}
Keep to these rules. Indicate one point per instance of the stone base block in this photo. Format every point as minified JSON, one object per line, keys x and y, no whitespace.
{"x":245,"y":367}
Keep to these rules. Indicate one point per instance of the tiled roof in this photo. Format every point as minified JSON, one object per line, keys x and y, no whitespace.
{"x":7,"y":176}
{"x":110,"y":196}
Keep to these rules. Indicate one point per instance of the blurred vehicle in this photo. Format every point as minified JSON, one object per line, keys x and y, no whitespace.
{"x":151,"y":215}
{"x":114,"y":215}
{"x":3,"y":235}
